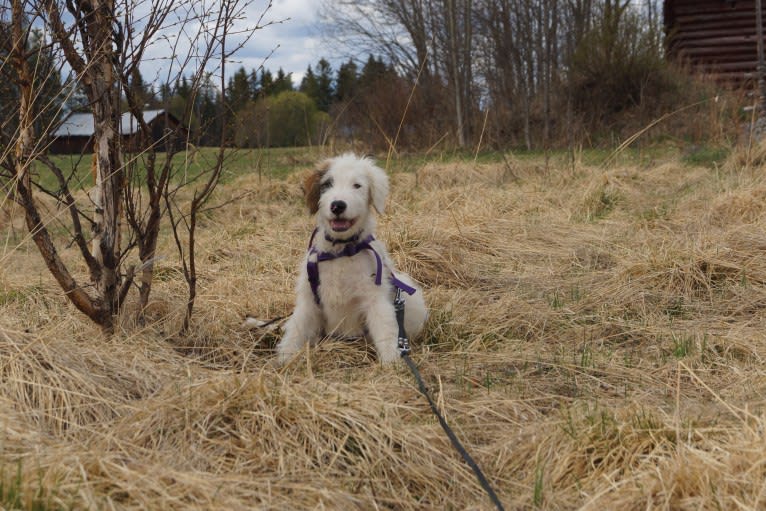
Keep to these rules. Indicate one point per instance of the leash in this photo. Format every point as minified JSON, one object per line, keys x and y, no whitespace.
{"x":352,"y":247}
{"x":404,"y":351}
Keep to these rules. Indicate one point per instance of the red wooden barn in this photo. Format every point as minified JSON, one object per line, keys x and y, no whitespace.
{"x":717,"y":37}
{"x":75,"y":134}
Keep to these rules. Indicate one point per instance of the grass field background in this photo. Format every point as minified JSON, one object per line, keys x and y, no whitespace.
{"x":597,"y":340}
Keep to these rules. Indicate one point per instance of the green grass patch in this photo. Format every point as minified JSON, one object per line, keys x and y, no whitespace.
{"x":17,"y":296}
{"x":11,"y":296}
{"x":187,"y":166}
{"x":13,"y":495}
{"x":279,"y":162}
{"x":539,"y":487}
{"x":683,"y":346}
{"x":705,"y":156}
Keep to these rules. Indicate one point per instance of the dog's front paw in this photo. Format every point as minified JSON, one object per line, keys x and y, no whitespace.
{"x":286,"y":351}
{"x":388,"y":353}
{"x":284,"y":357}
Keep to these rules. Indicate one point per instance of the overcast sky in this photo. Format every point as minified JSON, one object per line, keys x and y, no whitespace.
{"x":294,"y":37}
{"x":290,"y":38}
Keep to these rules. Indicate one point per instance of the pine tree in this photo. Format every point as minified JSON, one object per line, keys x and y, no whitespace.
{"x":325,"y":91}
{"x":283,"y":82}
{"x":142,"y":91}
{"x":255,"y":87}
{"x":309,"y":85}
{"x":46,"y":81}
{"x":238,"y":91}
{"x":182,"y":87}
{"x":347,"y":81}
{"x":210,"y":113}
{"x":373,"y":71}
{"x":266,"y":83}
{"x":166,"y":91}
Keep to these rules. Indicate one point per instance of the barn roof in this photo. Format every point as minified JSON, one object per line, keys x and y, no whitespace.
{"x":81,"y":125}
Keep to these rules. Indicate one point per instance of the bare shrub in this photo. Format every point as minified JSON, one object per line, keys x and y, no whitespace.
{"x":133,"y":187}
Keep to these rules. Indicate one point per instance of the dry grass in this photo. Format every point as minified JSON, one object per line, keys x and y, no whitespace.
{"x":597,"y":340}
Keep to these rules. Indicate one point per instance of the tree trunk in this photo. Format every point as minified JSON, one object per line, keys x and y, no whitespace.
{"x":147,"y":248}
{"x":467,"y":75}
{"x":23,"y":159}
{"x":105,"y":100}
{"x":18,"y":58}
{"x":455,"y":71}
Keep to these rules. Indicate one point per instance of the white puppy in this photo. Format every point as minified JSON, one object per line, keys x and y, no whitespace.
{"x":346,"y":284}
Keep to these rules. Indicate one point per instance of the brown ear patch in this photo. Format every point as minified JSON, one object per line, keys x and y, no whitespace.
{"x":311,"y":186}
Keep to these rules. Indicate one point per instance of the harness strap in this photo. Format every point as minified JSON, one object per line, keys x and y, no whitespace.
{"x":401,"y":285}
{"x":315,"y":257}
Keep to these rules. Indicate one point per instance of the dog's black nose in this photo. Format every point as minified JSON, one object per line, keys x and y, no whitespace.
{"x":337,"y":207}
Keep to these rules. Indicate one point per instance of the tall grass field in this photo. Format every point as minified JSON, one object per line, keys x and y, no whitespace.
{"x":597,"y":340}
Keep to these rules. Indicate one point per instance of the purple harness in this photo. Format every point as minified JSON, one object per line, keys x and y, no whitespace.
{"x":350,"y":250}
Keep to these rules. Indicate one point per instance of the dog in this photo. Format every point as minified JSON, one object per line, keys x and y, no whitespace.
{"x":347,"y":282}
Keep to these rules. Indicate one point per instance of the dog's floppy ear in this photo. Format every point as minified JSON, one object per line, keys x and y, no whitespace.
{"x":311,"y":186}
{"x":378,"y":187}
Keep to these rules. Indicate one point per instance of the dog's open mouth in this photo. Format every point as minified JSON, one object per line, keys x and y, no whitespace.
{"x":341,"y":224}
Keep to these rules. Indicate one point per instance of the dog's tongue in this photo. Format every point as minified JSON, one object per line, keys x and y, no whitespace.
{"x":340,"y":224}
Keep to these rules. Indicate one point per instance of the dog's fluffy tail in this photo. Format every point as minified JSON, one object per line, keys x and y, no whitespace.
{"x":269,"y":325}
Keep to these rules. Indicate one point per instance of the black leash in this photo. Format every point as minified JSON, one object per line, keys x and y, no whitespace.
{"x":404,"y":350}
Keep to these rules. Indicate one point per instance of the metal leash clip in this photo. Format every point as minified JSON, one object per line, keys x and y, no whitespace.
{"x":402,"y":342}
{"x":404,"y":346}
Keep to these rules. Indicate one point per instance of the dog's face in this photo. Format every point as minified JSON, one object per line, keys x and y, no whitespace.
{"x":341,"y":192}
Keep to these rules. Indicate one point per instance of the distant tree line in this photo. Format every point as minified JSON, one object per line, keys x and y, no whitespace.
{"x":529,"y":73}
{"x":503,"y":73}
{"x":270,"y":110}
{"x":264,"y":109}
{"x":46,"y":84}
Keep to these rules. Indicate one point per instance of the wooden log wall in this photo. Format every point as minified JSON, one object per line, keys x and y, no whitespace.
{"x":716,"y":37}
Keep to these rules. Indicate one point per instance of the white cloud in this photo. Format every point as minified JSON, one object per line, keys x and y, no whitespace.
{"x":288,"y":37}
{"x":302,"y":11}
{"x":290,"y":41}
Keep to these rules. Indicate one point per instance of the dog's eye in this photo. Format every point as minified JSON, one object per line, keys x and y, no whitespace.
{"x":357,"y":186}
{"x":325,"y":186}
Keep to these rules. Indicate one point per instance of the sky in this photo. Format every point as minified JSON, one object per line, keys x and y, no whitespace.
{"x":289,"y":36}
{"x":294,"y":37}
